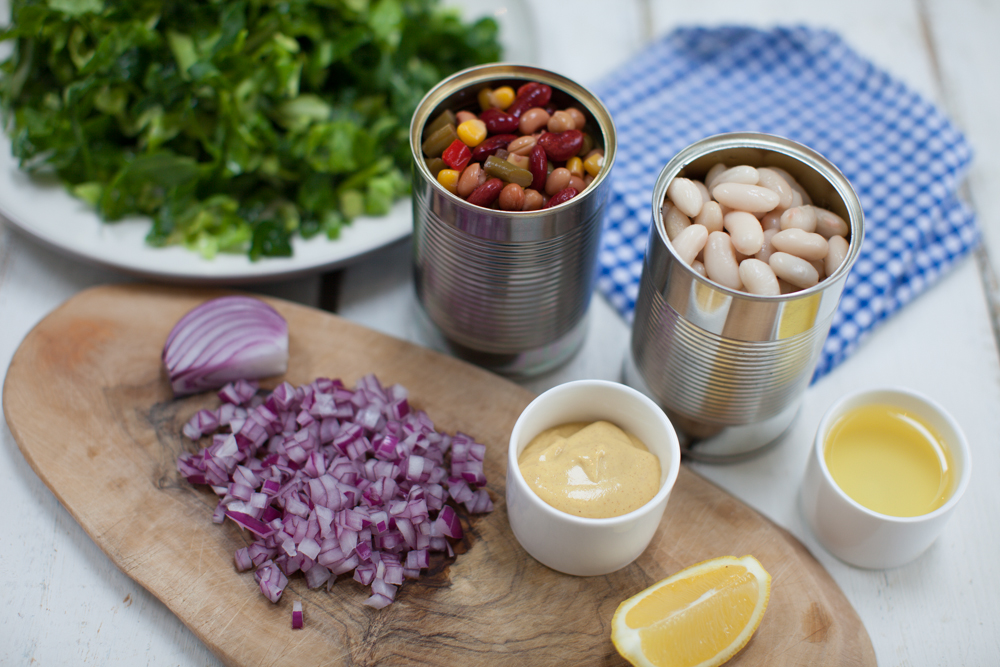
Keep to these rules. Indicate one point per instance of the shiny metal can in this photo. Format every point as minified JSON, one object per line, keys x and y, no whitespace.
{"x":509,"y":291}
{"x":730,"y":368}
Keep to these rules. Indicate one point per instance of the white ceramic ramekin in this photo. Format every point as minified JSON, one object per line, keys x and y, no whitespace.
{"x":851,"y":531}
{"x":577,"y":545}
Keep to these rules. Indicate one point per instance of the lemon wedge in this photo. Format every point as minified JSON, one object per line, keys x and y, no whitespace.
{"x":699,"y":617}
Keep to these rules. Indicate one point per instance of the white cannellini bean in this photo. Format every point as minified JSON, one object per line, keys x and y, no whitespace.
{"x":706,"y":196}
{"x":837,"y":254}
{"x":771,"y":220}
{"x":829,"y":224}
{"x":746,"y":232}
{"x":689,"y":242}
{"x":800,"y":217}
{"x":710,"y":216}
{"x":792,"y":269}
{"x":820,"y":267}
{"x":766,"y":250}
{"x":699,"y":268}
{"x":795,"y":185}
{"x":720,"y":261}
{"x":685,"y":196}
{"x":786,"y":287}
{"x":740,"y":174}
{"x":713,"y":173}
{"x":674,"y":222}
{"x":758,"y":277}
{"x":772,"y":180}
{"x":744,"y":197}
{"x":808,"y":246}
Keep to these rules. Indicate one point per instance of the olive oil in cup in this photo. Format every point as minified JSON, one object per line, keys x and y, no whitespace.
{"x":887,"y":470}
{"x":890,"y":460}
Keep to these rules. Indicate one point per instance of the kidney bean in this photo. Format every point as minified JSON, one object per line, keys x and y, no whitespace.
{"x":486,"y":193}
{"x":533,"y":120}
{"x":561,"y":146}
{"x":538,"y":166}
{"x":560,"y":121}
{"x":685,"y":196}
{"x":522,"y":145}
{"x":530,"y":95}
{"x":491,"y":145}
{"x":512,"y":197}
{"x":533,"y":200}
{"x":758,"y":277}
{"x":469,"y":180}
{"x":794,"y":270}
{"x":499,"y":122}
{"x":808,"y":246}
{"x":561,"y":197}
{"x":557,"y":180}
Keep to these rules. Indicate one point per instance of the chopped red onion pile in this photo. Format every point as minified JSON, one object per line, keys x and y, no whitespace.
{"x":225,"y":339}
{"x":333,"y":481}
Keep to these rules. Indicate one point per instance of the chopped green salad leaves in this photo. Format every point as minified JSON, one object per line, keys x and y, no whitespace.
{"x":233,"y":124}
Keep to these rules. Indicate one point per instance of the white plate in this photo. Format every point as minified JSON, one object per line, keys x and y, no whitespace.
{"x":48,"y":213}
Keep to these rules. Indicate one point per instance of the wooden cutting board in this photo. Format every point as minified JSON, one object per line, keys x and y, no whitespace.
{"x":89,"y":405}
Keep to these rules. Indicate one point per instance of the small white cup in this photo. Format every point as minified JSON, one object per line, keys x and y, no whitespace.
{"x":852,"y":532}
{"x":577,"y":545}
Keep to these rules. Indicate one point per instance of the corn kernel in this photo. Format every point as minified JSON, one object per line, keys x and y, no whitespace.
{"x":593,"y":163}
{"x":485,"y":98}
{"x":575,"y":166}
{"x":472,"y":132}
{"x":503,"y":97}
{"x":449,"y":179}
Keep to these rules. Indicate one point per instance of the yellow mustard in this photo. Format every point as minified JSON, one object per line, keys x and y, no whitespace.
{"x":591,"y":470}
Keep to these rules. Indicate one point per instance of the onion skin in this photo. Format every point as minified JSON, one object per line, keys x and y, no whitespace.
{"x":223,"y":340}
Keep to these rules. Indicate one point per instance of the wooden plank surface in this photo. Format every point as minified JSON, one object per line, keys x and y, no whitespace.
{"x":91,"y":369}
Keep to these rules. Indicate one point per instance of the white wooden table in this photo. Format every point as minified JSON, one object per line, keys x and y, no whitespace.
{"x":65,"y":603}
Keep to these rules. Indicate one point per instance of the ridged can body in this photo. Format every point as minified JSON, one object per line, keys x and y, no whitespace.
{"x":507,"y":290}
{"x":730,"y":368}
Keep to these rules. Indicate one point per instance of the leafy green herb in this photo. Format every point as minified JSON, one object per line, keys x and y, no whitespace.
{"x":233,"y":124}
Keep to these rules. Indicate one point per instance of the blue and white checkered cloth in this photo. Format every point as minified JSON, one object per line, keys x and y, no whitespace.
{"x":901,"y":154}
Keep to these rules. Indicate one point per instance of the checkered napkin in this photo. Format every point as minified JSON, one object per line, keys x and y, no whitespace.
{"x":901,"y":154}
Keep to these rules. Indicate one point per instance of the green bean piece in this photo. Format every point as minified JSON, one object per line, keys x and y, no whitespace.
{"x":436,"y":164}
{"x":506,"y":171}
{"x":436,"y":144}
{"x":447,"y":117}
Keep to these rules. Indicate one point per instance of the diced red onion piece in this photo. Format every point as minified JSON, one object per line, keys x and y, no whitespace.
{"x":296,"y":615}
{"x":225,"y":339}
{"x":331,"y":497}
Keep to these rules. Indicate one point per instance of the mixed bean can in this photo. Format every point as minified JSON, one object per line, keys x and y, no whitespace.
{"x":505,"y":260}
{"x":729,"y":358}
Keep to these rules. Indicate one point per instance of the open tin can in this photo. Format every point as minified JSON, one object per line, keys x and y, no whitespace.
{"x":508,"y":291}
{"x":730,"y":368}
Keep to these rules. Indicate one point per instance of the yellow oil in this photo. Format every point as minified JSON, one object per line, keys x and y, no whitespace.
{"x":890,"y":460}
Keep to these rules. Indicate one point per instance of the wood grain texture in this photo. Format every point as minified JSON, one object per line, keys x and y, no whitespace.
{"x":90,"y":407}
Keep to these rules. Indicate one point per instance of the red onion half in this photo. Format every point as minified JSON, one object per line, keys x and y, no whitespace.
{"x":223,"y":340}
{"x":331,"y":482}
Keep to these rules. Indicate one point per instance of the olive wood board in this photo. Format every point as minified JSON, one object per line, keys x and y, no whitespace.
{"x":90,"y":405}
